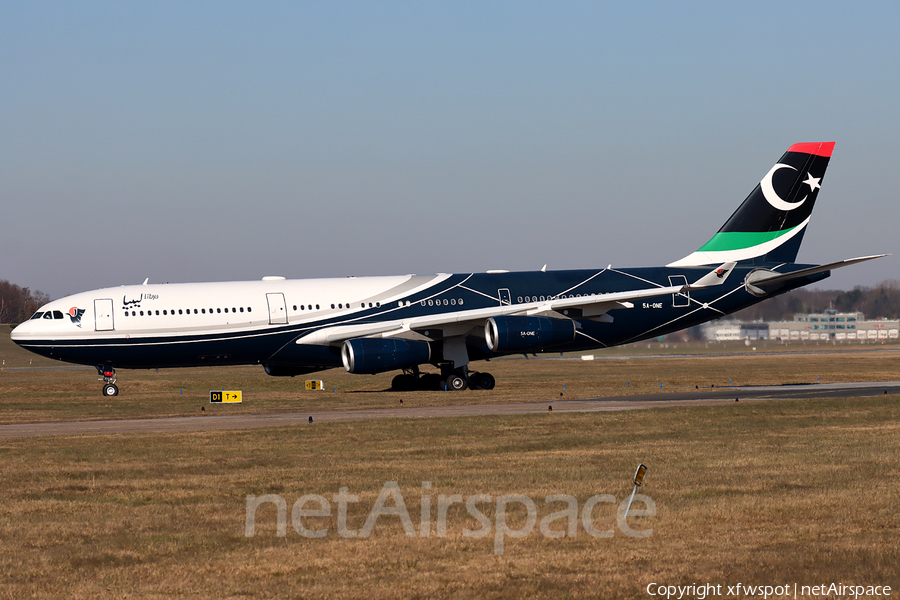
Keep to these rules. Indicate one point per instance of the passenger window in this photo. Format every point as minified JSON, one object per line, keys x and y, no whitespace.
{"x":219,"y":310}
{"x":332,"y":306}
{"x":203,"y":310}
{"x":242,"y":309}
{"x":317,"y":307}
{"x":233,"y":309}
{"x":249,"y":309}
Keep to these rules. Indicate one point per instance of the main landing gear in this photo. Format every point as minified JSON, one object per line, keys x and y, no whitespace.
{"x":108,"y":377}
{"x":450,"y":379}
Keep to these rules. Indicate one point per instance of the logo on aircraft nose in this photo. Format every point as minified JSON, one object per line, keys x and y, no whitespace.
{"x":75,"y":315}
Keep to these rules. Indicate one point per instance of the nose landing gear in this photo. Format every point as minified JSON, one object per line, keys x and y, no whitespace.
{"x":108,"y":377}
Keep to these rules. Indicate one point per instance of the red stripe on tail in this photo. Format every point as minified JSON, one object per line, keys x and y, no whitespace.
{"x":817,"y":148}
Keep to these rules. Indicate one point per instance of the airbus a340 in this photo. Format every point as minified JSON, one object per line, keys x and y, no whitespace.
{"x":403,"y":323}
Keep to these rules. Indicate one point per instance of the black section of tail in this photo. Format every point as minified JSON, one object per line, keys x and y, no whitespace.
{"x":769,"y":225}
{"x":785,"y":197}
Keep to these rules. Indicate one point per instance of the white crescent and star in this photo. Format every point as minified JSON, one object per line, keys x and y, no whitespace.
{"x":772,"y":196}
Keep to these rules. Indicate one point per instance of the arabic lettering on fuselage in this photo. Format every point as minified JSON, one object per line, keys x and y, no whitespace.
{"x":136,"y":303}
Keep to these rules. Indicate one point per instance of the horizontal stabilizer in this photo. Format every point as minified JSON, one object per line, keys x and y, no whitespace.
{"x":763,"y":282}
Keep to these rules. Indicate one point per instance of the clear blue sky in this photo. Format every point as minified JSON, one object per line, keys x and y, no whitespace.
{"x":196,"y":141}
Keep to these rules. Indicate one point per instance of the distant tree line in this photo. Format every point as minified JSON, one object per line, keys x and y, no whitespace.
{"x":18,"y":303}
{"x":882,"y":300}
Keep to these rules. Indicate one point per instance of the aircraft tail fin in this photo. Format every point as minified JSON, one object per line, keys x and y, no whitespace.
{"x":769,"y":225}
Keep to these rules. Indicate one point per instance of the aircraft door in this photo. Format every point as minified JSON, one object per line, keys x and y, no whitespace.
{"x":103,"y":314}
{"x":277,"y":309}
{"x":680,"y":300}
{"x":505,"y":299}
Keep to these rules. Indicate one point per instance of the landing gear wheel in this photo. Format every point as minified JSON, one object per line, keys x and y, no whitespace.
{"x":108,"y":376}
{"x":404,"y":383}
{"x":456,"y":383}
{"x":481,"y":381}
{"x":430,"y":382}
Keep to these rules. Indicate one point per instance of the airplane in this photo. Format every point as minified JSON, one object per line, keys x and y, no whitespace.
{"x":403,"y":323}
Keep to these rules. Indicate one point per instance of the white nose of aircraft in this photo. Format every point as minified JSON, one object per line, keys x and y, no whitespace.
{"x":45,"y":323}
{"x":22,"y":332}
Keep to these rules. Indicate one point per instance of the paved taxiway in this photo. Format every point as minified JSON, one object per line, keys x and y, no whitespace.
{"x":224,"y":422}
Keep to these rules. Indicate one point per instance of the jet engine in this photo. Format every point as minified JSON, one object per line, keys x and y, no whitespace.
{"x":526,"y":334}
{"x":378,"y":355}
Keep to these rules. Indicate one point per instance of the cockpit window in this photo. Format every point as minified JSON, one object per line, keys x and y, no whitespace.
{"x":57,"y":314}
{"x":38,"y":315}
{"x":48,"y":315}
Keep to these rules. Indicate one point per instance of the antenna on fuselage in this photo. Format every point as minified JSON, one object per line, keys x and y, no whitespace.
{"x":145,"y":281}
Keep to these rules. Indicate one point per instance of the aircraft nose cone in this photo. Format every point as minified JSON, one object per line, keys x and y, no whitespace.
{"x":21,"y":332}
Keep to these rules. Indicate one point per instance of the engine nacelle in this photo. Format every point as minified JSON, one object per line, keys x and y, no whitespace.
{"x":522,"y":334}
{"x":378,"y":355}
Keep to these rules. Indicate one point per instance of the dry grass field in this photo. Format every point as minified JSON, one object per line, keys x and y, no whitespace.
{"x":763,"y":493}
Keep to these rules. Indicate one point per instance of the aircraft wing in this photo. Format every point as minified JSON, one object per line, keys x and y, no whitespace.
{"x":456,"y":323}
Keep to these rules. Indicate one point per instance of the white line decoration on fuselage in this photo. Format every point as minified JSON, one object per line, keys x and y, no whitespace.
{"x":772,"y":196}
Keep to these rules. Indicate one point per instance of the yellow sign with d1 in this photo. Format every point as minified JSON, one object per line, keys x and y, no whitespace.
{"x":220,"y":396}
{"x":315,"y":384}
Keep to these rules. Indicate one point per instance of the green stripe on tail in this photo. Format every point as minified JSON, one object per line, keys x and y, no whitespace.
{"x":738,"y":240}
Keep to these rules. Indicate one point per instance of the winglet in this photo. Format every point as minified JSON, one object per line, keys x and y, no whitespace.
{"x":715,"y":277}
